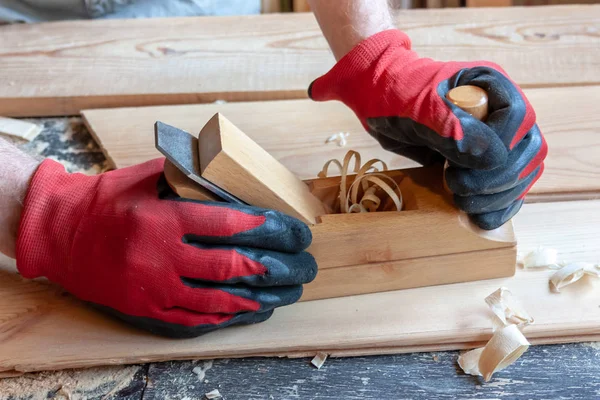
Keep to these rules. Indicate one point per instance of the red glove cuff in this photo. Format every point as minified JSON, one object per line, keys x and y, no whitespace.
{"x":55,"y":200}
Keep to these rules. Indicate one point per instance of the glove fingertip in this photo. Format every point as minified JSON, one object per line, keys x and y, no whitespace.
{"x":294,"y":235}
{"x":493,"y":220}
{"x":260,"y":317}
{"x":308,"y":268}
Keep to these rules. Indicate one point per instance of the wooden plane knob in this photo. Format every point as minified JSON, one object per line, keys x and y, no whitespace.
{"x":471,"y":99}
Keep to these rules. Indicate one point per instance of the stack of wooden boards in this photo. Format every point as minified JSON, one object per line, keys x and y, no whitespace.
{"x":275,"y":57}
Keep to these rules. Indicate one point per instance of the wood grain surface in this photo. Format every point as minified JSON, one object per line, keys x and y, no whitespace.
{"x":41,"y":329}
{"x":235,"y":163}
{"x":295,"y":131}
{"x":61,"y":68}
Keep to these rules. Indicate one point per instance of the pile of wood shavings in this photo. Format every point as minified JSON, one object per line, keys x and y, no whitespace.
{"x":368,"y":179}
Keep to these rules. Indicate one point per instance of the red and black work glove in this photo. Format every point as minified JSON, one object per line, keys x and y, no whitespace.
{"x":126,"y":243}
{"x":401,"y":101}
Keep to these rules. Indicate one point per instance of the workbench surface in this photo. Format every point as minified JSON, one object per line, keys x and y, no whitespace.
{"x":558,"y":371}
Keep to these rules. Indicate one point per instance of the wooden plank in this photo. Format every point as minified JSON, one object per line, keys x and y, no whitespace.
{"x":301,"y":6}
{"x":61,"y":68}
{"x":40,"y":329}
{"x":270,"y":6}
{"x":20,"y":129}
{"x":233,"y":162}
{"x":452,"y":3}
{"x":489,"y":3}
{"x":410,"y":273}
{"x":294,"y":132}
{"x":434,"y":3}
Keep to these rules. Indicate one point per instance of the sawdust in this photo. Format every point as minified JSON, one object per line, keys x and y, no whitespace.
{"x":80,"y":384}
{"x":594,"y":345}
{"x":201,"y":370}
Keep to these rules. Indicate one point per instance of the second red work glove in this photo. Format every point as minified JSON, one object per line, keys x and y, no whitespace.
{"x":126,"y":243}
{"x":401,"y":100}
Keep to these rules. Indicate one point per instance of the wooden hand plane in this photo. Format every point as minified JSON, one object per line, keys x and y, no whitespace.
{"x":430,"y":242}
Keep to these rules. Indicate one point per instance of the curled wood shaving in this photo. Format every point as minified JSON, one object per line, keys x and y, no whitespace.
{"x":503,"y":349}
{"x":213,"y":394}
{"x":319,"y":360}
{"x":508,"y":342}
{"x":369,"y":179}
{"x":469,"y":361}
{"x":542,"y":257}
{"x":572,"y":273}
{"x":508,"y":309}
{"x":340,"y":138}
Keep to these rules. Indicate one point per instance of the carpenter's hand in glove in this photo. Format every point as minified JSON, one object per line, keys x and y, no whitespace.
{"x":125,"y":242}
{"x":401,"y":100}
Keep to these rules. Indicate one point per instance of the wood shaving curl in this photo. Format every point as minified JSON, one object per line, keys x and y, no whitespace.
{"x":340,"y":138}
{"x":369,"y":179}
{"x":508,"y":309}
{"x":508,"y":342}
{"x":572,"y":273}
{"x":542,"y":257}
{"x":319,"y":359}
{"x":213,"y":394}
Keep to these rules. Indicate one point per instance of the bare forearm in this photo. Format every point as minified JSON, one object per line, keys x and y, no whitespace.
{"x":345,"y":23}
{"x":16,"y":170}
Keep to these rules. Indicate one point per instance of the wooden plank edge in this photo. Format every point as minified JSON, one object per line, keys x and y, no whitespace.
{"x":551,"y":197}
{"x":111,"y":162}
{"x":338,"y":353}
{"x":74,"y":105}
{"x":412,"y":273}
{"x":444,"y":347}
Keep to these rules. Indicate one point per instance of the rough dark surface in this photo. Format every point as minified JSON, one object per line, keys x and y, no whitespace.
{"x":67,"y":140}
{"x":544,"y":372}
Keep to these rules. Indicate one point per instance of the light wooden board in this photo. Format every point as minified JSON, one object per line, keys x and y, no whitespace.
{"x":301,"y":6}
{"x":40,"y":329}
{"x":61,"y":68}
{"x":20,"y":129}
{"x":295,"y":131}
{"x":270,"y":6}
{"x":489,"y":3}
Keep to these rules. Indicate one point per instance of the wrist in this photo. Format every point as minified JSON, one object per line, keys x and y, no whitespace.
{"x":54,"y":204}
{"x":347,"y":23}
{"x":15,"y":174}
